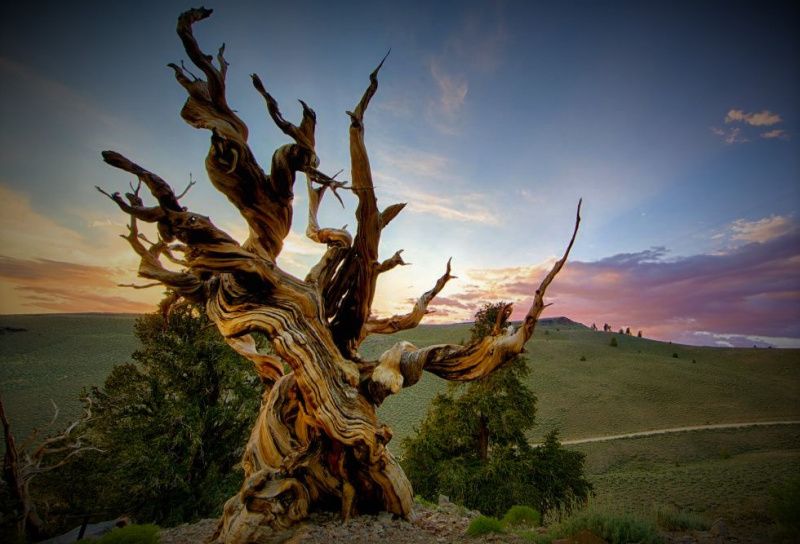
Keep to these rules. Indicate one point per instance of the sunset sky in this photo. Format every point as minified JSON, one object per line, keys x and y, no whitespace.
{"x":676,"y":122}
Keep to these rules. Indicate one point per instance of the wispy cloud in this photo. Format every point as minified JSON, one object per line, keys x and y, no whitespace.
{"x":762,"y":230}
{"x":452,"y":89}
{"x":479,"y":38}
{"x":731,"y":135}
{"x":775,"y":133}
{"x":59,"y":286}
{"x":414,"y":163}
{"x":763,"y":118}
{"x":736,"y":134}
{"x":467,"y":208}
{"x":475,"y":47}
{"x":46,"y":266}
{"x":443,"y":112}
{"x":744,"y":341}
{"x":411,"y":175}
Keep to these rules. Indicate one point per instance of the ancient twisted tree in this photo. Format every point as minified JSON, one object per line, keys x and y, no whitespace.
{"x":317,"y":442}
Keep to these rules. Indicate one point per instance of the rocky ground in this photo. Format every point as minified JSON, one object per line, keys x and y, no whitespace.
{"x":443,"y":524}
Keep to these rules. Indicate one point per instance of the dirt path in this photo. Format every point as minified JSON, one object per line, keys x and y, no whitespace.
{"x":678,"y":430}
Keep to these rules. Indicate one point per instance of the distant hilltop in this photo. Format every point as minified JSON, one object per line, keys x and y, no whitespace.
{"x":560,"y":321}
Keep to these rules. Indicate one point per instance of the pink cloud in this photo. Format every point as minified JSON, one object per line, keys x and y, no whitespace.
{"x":756,"y":119}
{"x":775,"y":133}
{"x":762,"y":230}
{"x":751,"y":290}
{"x":57,"y":286}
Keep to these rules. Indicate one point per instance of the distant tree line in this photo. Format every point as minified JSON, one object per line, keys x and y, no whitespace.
{"x":608,"y":328}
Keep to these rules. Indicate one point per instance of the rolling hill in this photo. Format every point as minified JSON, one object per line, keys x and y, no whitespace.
{"x":585,"y":388}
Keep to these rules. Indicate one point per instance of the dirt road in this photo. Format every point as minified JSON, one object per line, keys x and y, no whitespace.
{"x":678,"y":430}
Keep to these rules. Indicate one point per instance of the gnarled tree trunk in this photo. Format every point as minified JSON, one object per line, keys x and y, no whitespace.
{"x":317,"y":442}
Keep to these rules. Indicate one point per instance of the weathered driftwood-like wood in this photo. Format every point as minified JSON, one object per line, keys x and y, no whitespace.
{"x":23,"y":462}
{"x":317,"y":442}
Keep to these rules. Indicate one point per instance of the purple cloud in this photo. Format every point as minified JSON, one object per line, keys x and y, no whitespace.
{"x":749,"y":291}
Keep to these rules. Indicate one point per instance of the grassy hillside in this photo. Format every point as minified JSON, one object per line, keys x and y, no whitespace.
{"x":54,"y":357}
{"x":636,"y":386}
{"x":727,"y":474}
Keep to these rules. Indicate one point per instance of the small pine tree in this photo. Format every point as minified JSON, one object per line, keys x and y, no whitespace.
{"x":166,"y":423}
{"x":628,"y":331}
{"x":472,"y":444}
{"x":613,"y":342}
{"x":639,"y":334}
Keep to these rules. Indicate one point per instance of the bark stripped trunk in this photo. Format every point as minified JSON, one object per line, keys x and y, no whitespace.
{"x":317,"y":442}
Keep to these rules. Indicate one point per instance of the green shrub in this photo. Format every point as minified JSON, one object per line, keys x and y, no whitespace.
{"x":784,"y":507}
{"x":483,"y":525}
{"x":613,"y":342}
{"x":672,"y":519}
{"x":614,"y":529}
{"x":132,"y":534}
{"x":422,"y":501}
{"x":674,"y":355}
{"x":583,"y":357}
{"x":522,"y":515}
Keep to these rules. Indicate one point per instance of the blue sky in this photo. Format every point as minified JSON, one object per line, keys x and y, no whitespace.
{"x":676,"y":122}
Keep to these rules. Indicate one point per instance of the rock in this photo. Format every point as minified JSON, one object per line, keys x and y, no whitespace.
{"x":719,"y":531}
{"x":384,"y":518}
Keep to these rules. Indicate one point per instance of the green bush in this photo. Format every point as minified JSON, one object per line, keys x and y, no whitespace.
{"x":522,"y":515}
{"x":784,"y":508}
{"x":614,"y":529}
{"x":483,"y":525}
{"x":613,"y":342}
{"x":132,"y":534}
{"x":422,"y":501}
{"x":583,"y":357}
{"x":672,"y":519}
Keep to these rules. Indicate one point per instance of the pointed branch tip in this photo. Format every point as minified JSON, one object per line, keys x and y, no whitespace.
{"x":374,"y":73}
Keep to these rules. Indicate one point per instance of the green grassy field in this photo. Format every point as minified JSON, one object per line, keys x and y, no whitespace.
{"x":54,"y":358}
{"x":725,"y":474}
{"x":636,"y":386}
